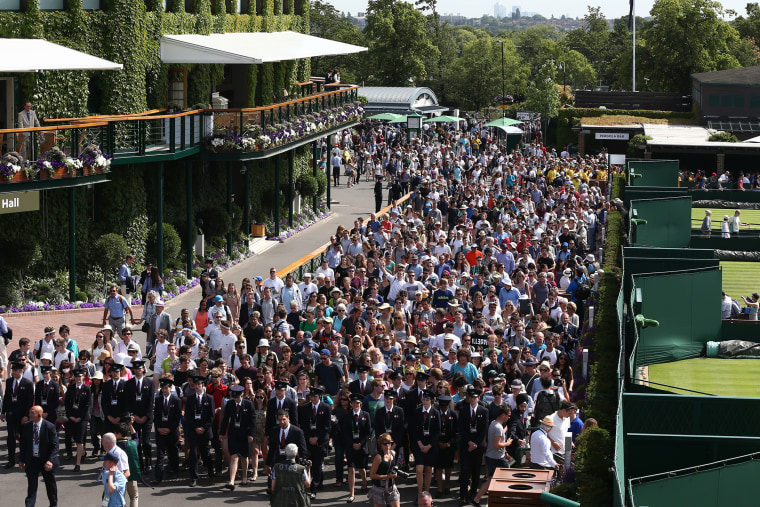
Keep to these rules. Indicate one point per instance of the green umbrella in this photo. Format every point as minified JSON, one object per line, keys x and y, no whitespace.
{"x":503,"y":122}
{"x":444,"y":118}
{"x":387,"y":116}
{"x":400,"y":118}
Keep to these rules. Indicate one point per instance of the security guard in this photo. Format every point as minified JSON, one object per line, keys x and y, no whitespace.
{"x":390,"y":418}
{"x":355,"y":428}
{"x":18,"y":399}
{"x":199,"y":414}
{"x":113,"y":399}
{"x":290,"y":481}
{"x":425,"y":432}
{"x":316,"y":423}
{"x":447,"y":443}
{"x":167,"y":412}
{"x":46,"y":396}
{"x":140,"y":393}
{"x":238,"y":427}
{"x":473,"y":431}
{"x":78,"y":401}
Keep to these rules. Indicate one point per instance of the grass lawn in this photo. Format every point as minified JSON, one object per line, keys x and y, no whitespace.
{"x":748,"y":216}
{"x":740,"y":279}
{"x":723,"y":377}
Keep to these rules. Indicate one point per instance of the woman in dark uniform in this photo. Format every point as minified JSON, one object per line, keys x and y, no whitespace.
{"x":238,"y":427}
{"x":425,"y":434}
{"x":447,"y":443}
{"x":78,"y":401}
{"x":378,"y":194}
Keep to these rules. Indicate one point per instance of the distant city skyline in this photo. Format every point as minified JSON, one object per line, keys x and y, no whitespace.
{"x":547,"y":8}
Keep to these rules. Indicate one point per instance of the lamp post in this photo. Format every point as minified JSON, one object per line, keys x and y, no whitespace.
{"x":503,"y":83}
{"x":562,"y":66}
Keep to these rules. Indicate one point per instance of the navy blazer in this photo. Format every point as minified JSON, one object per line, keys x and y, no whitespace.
{"x":347,"y":427}
{"x":15,"y":410}
{"x":173,"y":414}
{"x":449,"y":427}
{"x":473,"y":431}
{"x":295,"y":436}
{"x":48,"y":443}
{"x":433,"y":426}
{"x":322,"y":423}
{"x":113,"y":399}
{"x":205,"y":411}
{"x":396,"y":427}
{"x":46,"y":396}
{"x":247,"y":419}
{"x":83,"y":402}
{"x":144,"y":406}
{"x":287,"y":404}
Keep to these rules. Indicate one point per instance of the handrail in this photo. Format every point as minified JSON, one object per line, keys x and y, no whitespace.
{"x":53,"y":127}
{"x":320,"y":251}
{"x":101,"y":116}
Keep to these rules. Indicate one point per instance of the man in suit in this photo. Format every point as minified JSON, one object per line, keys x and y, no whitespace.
{"x":140,"y":394}
{"x":568,"y":335}
{"x":113,"y":400}
{"x":280,"y":436}
{"x":238,"y":427}
{"x":199,"y":414}
{"x":281,"y":402}
{"x":39,"y":455}
{"x":27,"y":119}
{"x":167,"y":412}
{"x":316,"y":422}
{"x":410,"y":399}
{"x":356,"y":428}
{"x":361,"y":385}
{"x":162,"y":320}
{"x":19,"y":398}
{"x":77,"y":401}
{"x":473,"y":431}
{"x":390,"y":418}
{"x":447,"y":442}
{"x":46,"y":395}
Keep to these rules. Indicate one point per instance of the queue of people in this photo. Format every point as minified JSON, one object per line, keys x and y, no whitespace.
{"x":440,"y":337}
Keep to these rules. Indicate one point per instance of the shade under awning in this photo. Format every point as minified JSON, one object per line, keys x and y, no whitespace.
{"x":33,"y":55}
{"x":249,"y":48}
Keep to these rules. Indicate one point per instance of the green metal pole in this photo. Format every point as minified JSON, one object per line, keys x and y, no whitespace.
{"x":291,"y":186}
{"x":72,"y":245}
{"x":328,"y":168}
{"x":314,"y":170}
{"x":160,"y":217}
{"x":277,"y":195}
{"x":189,"y":217}
{"x":247,"y":208}
{"x":229,"y":207}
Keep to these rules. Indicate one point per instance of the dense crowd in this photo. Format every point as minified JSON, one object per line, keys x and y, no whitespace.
{"x":441,"y":335}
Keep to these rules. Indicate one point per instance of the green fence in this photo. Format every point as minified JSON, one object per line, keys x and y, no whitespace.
{"x":653,"y":173}
{"x":725,"y":195}
{"x":619,"y":456}
{"x":664,"y":223}
{"x":725,"y":484}
{"x":639,"y":193}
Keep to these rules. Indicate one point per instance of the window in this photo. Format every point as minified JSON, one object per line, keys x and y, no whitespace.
{"x":178,"y":88}
{"x":754,"y":101}
{"x":714,"y":100}
{"x":726,"y":100}
{"x":739,"y":100}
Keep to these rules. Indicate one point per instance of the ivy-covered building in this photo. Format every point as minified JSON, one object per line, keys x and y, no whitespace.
{"x":200,"y":169}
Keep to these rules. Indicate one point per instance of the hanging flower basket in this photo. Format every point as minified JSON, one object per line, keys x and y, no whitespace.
{"x":17,"y":177}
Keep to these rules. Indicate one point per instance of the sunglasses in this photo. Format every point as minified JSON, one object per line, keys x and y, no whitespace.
{"x":259,"y":397}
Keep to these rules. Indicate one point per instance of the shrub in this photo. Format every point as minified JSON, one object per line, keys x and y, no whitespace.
{"x":307,"y":185}
{"x":216,"y":222}
{"x":594,"y":461}
{"x":172,"y":242}
{"x":81,"y":295}
{"x":723,"y":137}
{"x":321,"y":183}
{"x":111,"y":250}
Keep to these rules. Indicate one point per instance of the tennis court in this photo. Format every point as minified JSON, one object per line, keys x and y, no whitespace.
{"x":748,"y":216}
{"x":740,"y":278}
{"x":722,"y":377}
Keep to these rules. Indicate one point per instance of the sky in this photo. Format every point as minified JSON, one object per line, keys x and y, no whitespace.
{"x":476,"y":8}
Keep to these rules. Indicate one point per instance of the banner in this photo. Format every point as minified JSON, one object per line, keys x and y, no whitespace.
{"x":615,"y":136}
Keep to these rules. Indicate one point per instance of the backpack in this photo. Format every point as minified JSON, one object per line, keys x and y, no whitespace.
{"x":584,"y":289}
{"x":546,"y":404}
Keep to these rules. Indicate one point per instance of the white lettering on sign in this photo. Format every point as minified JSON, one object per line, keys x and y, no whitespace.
{"x":11,"y":203}
{"x":615,"y":136}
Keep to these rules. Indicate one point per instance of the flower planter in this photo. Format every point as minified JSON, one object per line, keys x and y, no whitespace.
{"x":19,"y":176}
{"x":87,"y":170}
{"x":62,"y":173}
{"x":258,"y":230}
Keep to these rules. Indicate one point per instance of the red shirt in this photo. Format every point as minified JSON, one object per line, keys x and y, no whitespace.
{"x":218,"y":393}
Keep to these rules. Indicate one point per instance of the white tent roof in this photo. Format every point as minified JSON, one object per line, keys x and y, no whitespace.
{"x":32,"y":55}
{"x":510,"y":129}
{"x":249,"y":48}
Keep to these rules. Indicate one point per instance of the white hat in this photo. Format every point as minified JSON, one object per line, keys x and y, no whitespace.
{"x":46,"y":355}
{"x":263,"y":343}
{"x":305,"y":275}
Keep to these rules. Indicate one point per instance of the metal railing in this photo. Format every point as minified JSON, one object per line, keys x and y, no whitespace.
{"x":310,"y":262}
{"x":33,"y":143}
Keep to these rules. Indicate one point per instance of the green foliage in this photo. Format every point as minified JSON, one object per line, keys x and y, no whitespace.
{"x":112,"y":250}
{"x":216,"y":222}
{"x":543,"y":95}
{"x":321,"y":183}
{"x":172,"y":243}
{"x":723,"y":137}
{"x":633,"y":145}
{"x":307,"y":185}
{"x":594,"y":461}
{"x":81,"y":295}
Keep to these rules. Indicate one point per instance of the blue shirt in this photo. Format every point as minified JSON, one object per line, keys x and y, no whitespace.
{"x":115,"y":499}
{"x":124,"y":273}
{"x":441,"y":298}
{"x":511,"y":294}
{"x":470,"y":371}
{"x":116,"y":305}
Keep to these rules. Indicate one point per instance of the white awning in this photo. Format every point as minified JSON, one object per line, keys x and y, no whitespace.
{"x":249,"y":48}
{"x":33,"y":55}
{"x":510,"y":129}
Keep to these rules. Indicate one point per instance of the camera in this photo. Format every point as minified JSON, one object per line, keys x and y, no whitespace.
{"x":303,"y":462}
{"x":559,"y":382}
{"x":400,"y":473}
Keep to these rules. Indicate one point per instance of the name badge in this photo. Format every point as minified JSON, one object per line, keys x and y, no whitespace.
{"x":313,"y":426}
{"x":165,"y":418}
{"x":114,"y":402}
{"x":75,"y":406}
{"x":197,"y":417}
{"x":36,"y":450}
{"x":282,"y":452}
{"x":356,"y":436}
{"x":14,"y":398}
{"x":138,"y":398}
{"x":44,"y":402}
{"x":106,"y":501}
{"x":425,"y":433}
{"x":237,"y":424}
{"x":473,"y":429}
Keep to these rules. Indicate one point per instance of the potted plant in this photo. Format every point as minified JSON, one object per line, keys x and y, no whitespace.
{"x":94,"y":158}
{"x":57,"y":159}
{"x":11,"y":167}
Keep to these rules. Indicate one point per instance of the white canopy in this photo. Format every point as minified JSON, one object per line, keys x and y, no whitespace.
{"x":33,"y":55}
{"x":249,"y":48}
{"x":509,"y":129}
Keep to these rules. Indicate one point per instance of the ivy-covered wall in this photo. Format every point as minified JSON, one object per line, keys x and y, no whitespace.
{"x":128,"y":32}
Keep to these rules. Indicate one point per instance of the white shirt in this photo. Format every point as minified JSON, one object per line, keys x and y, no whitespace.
{"x":121,"y":348}
{"x":162,"y":351}
{"x":123,"y":459}
{"x":557,"y":433}
{"x":275,"y":284}
{"x":541,"y":449}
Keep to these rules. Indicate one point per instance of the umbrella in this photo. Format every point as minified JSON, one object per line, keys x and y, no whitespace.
{"x":511,"y":130}
{"x":386,"y":116}
{"x":444,"y":118}
{"x":503,"y":122}
{"x":400,"y":118}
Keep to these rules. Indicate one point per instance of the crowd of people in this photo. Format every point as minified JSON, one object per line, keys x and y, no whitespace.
{"x":440,"y":336}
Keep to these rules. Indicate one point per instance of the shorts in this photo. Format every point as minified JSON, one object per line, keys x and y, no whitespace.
{"x":494,"y":463}
{"x":428,"y":459}
{"x":382,"y":496}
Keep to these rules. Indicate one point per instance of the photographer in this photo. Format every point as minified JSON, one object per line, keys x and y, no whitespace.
{"x":383,"y":474}
{"x":291,"y":480}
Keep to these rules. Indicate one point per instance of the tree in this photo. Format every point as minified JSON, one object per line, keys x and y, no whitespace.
{"x":592,"y":40}
{"x":326,"y":21}
{"x":112,"y":250}
{"x":543,"y":94}
{"x":685,"y":37}
{"x":397,"y":41}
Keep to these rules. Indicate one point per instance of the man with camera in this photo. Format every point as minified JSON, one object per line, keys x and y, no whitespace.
{"x":291,"y":480}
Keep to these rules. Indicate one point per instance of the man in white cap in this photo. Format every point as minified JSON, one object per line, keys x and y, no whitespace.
{"x":307,"y":287}
{"x":541,"y":446}
{"x":508,"y":293}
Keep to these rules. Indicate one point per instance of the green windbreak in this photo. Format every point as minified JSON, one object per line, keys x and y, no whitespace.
{"x":668,"y":222}
{"x":687,"y":306}
{"x":652,"y":173}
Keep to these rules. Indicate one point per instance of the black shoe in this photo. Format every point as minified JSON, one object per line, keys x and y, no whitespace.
{"x":68,"y":457}
{"x":10,"y":464}
{"x":193,"y":483}
{"x":463,"y":501}
{"x":312,"y":495}
{"x":76,"y":468}
{"x":474,"y":503}
{"x":231,"y":487}
{"x":156,"y":482}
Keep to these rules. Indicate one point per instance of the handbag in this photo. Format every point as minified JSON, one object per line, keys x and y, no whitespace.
{"x":145,"y":327}
{"x":60,"y":413}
